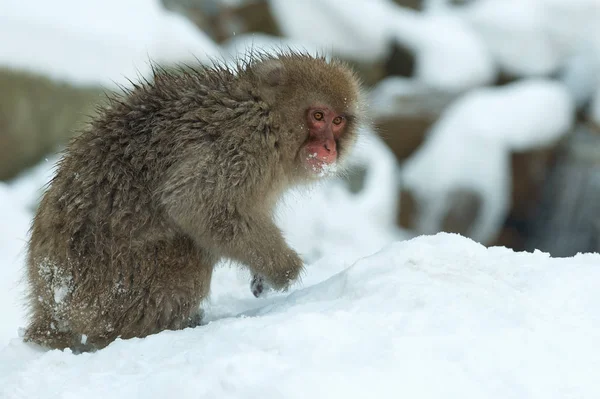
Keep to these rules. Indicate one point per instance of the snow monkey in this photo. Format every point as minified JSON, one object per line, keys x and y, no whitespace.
{"x":179,"y":172}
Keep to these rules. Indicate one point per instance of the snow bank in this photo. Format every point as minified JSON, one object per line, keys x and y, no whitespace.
{"x":478,"y":322}
{"x":469,"y":148}
{"x":96,"y":41}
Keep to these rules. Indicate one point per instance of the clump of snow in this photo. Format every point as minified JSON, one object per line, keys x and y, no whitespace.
{"x":469,"y":148}
{"x":328,"y":170}
{"x":97,"y":42}
{"x":483,"y":322}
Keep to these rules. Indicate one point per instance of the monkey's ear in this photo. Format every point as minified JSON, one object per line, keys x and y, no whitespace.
{"x":271,"y":72}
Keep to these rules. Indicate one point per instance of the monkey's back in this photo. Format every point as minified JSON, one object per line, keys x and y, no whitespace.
{"x":100,"y":235}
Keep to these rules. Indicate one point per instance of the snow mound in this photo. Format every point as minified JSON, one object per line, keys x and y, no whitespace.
{"x":480,"y":322}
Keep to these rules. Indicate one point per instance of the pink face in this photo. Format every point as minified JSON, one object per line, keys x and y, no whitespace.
{"x":325,"y":126}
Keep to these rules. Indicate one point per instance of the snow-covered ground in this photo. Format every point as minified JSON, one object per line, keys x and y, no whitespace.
{"x":432,"y":317}
{"x":376,"y":315}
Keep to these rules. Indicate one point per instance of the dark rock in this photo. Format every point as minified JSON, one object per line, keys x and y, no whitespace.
{"x":37,"y":115}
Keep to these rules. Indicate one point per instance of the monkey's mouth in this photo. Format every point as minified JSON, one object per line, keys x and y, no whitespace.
{"x":321,"y":166}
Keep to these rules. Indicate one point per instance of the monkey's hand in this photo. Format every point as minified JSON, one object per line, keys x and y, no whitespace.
{"x":259,"y":286}
{"x":279,"y":274}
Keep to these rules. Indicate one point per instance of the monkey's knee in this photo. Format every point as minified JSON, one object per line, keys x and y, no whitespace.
{"x":44,"y":331}
{"x":196,"y":319}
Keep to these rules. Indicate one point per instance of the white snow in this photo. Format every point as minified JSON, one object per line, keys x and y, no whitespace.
{"x":451,"y":56}
{"x":517,"y":35}
{"x":13,"y":229}
{"x":96,"y":41}
{"x":345,"y":27}
{"x":478,"y":322}
{"x":535,"y":37}
{"x":469,"y":148}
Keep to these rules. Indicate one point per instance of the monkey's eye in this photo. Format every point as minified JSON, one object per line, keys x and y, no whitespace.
{"x":318,"y":115}
{"x":337,"y":120}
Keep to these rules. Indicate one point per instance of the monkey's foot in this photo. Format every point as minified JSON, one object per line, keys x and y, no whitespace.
{"x":259,"y":286}
{"x":197,"y":319}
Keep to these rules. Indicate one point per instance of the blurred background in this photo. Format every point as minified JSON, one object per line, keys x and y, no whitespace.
{"x":484,"y":114}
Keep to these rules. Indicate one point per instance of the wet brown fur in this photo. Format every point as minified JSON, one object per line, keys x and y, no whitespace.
{"x":170,"y":178}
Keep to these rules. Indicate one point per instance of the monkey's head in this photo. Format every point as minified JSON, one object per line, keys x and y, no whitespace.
{"x":317,"y":106}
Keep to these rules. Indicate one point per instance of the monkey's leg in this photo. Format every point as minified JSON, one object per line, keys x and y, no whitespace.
{"x":173,"y":293}
{"x":43,"y":331}
{"x":234,"y":227}
{"x":259,"y":286}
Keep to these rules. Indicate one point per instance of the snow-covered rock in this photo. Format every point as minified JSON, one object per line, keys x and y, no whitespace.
{"x":96,"y":42}
{"x":452,"y":56}
{"x":469,"y":148}
{"x":351,"y":28}
{"x":516,"y":33}
{"x":448,"y":52}
{"x":534,"y":37}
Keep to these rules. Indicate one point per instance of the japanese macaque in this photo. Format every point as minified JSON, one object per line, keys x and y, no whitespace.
{"x":175,"y":175}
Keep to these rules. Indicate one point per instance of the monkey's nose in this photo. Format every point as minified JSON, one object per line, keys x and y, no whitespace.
{"x":329,"y":145}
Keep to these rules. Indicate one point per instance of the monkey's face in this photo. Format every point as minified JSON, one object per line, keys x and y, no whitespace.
{"x":326,"y":127}
{"x":317,"y":105}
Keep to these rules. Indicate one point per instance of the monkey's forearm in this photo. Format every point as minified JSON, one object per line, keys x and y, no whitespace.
{"x":260,"y":246}
{"x":251,"y":239}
